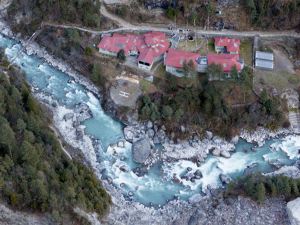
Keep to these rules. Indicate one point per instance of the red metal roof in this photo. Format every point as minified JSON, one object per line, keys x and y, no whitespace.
{"x":227,"y":61}
{"x":231,"y":44}
{"x":176,"y":58}
{"x":156,"y":45}
{"x":128,"y":42}
{"x":149,"y":45}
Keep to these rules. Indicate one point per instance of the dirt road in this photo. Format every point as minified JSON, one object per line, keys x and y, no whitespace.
{"x":127,"y":26}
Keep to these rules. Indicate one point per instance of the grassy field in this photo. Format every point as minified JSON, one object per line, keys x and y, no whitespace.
{"x":200,"y":45}
{"x":246,"y":51}
{"x":278,"y":80}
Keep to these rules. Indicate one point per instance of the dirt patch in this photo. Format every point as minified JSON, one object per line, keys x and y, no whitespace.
{"x":282,"y":63}
{"x":246,"y":51}
{"x":125,"y":91}
{"x":275,"y":79}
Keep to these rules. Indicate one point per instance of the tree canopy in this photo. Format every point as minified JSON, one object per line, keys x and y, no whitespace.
{"x":35,"y":173}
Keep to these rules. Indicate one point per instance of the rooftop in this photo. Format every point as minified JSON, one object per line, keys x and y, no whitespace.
{"x":231,"y":44}
{"x":227,"y":61}
{"x":176,"y":58}
{"x":149,"y":45}
{"x":264,"y":55}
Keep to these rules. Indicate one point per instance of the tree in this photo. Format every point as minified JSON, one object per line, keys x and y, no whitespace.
{"x":260,"y":192}
{"x":167,"y":112}
{"x":7,"y":138}
{"x":171,"y":13}
{"x":189,"y":69}
{"x":21,"y":125}
{"x":234,"y":73}
{"x":88,"y":51}
{"x":96,"y":75}
{"x":215,"y":71}
{"x":146,"y":100}
{"x":146,"y":112}
{"x":273,"y":189}
{"x":295,"y":189}
{"x":194,"y":17}
{"x":155,"y":115}
{"x":178,"y":114}
{"x":121,"y":55}
{"x":252,"y":8}
{"x":73,"y":35}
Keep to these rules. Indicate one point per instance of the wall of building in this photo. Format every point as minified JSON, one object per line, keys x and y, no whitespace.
{"x":107,"y":52}
{"x":219,"y":49}
{"x":174,"y":71}
{"x":144,"y":67}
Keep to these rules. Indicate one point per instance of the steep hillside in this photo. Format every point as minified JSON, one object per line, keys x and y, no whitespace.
{"x":27,"y":15}
{"x":217,"y":14}
{"x":35,"y":174}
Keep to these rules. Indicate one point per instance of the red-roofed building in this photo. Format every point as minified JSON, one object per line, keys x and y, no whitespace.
{"x":227,"y":61}
{"x":227,"y":45}
{"x":149,"y":47}
{"x":175,"y":60}
{"x":111,"y":45}
{"x":156,"y":46}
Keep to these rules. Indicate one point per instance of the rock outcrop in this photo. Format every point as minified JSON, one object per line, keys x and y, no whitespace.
{"x":293,"y":210}
{"x":141,"y":150}
{"x":12,"y":217}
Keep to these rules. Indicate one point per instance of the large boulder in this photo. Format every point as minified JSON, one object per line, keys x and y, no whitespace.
{"x":129,"y":133}
{"x":216,"y":151}
{"x":68,"y":116}
{"x":225,"y":154}
{"x":195,"y":198}
{"x":225,"y":179}
{"x":293,"y":210}
{"x":141,"y":150}
{"x":149,"y":125}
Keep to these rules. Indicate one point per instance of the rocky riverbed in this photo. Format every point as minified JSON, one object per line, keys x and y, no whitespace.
{"x":194,"y":148}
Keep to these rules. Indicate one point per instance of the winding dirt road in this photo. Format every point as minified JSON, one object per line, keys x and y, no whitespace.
{"x":127,"y":26}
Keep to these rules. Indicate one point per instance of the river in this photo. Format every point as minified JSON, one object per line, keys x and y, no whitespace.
{"x":116,"y":164}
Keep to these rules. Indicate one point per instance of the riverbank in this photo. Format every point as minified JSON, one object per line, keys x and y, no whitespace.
{"x":68,"y":121}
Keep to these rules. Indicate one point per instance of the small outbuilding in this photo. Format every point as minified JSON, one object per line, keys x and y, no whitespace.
{"x":264,"y":60}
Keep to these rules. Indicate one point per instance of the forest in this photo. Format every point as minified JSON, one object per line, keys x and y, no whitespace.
{"x":35,"y":174}
{"x":270,"y":13}
{"x":259,"y":187}
{"x":27,"y":15}
{"x":202,"y":105}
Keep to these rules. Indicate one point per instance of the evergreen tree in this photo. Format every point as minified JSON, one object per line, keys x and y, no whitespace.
{"x":167,"y":112}
{"x":294,"y":187}
{"x":273,"y":190}
{"x":121,"y":55}
{"x":260,"y":193}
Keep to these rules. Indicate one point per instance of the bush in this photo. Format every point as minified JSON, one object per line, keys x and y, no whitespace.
{"x":88,"y":51}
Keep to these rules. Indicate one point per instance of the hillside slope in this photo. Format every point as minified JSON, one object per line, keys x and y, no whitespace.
{"x":35,"y":174}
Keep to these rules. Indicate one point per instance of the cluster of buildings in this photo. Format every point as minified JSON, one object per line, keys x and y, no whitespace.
{"x":151,"y":47}
{"x":148,"y":48}
{"x":226,"y":55}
